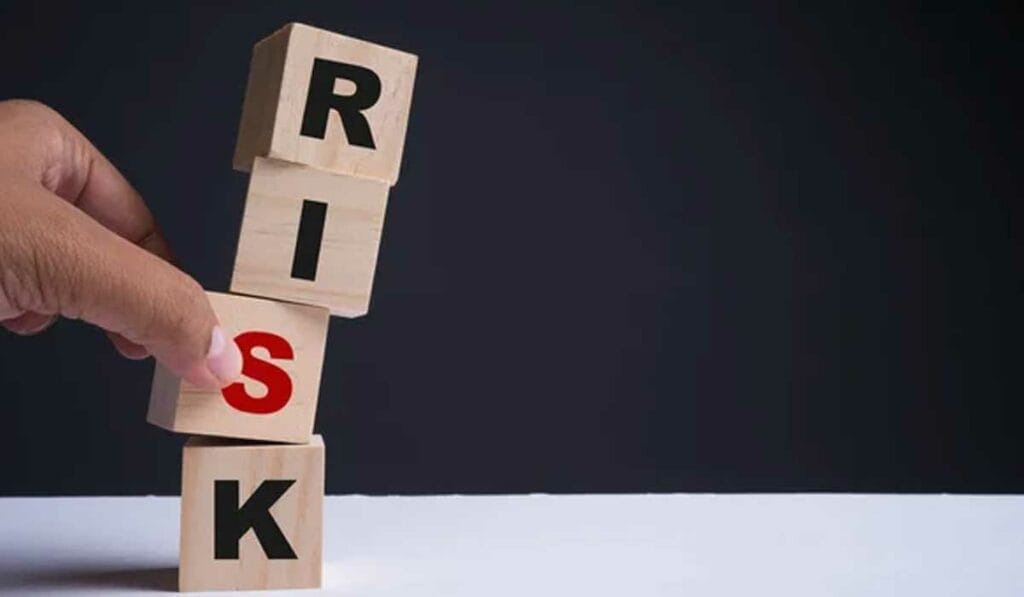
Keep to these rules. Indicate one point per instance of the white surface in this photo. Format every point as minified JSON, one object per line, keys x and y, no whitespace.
{"x":620,"y":546}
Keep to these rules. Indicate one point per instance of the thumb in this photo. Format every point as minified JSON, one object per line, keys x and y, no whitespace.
{"x":84,"y":271}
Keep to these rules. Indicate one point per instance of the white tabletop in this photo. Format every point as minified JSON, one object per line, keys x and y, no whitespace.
{"x":571,"y":545}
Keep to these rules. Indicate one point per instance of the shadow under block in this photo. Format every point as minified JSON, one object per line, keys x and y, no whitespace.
{"x":328,"y":101}
{"x":251,"y":515}
{"x":310,"y":237}
{"x":282,"y":348}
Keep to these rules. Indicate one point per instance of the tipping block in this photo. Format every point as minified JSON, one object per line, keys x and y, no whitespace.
{"x":251,"y":515}
{"x":328,"y":101}
{"x":282,"y":346}
{"x":310,"y":236}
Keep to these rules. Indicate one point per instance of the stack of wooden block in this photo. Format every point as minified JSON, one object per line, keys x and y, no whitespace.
{"x":322,"y":130}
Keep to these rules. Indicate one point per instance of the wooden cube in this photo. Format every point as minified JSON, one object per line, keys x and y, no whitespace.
{"x":310,"y":236}
{"x":251,"y":515}
{"x":328,"y":101}
{"x":282,"y":346}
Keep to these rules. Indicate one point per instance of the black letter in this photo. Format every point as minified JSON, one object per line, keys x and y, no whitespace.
{"x":307,"y":245}
{"x":321,"y":99}
{"x":230,"y":522}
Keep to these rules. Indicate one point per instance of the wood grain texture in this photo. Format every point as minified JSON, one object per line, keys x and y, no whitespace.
{"x":349,"y":247}
{"x":278,"y":84}
{"x":262,"y":91}
{"x":178,"y":406}
{"x":298,"y":513}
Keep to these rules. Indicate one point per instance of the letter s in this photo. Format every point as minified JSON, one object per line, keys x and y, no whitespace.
{"x":279,"y":384}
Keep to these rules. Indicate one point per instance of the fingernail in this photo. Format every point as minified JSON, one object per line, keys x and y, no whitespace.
{"x":44,"y":325}
{"x":223,"y":359}
{"x":30,"y":324}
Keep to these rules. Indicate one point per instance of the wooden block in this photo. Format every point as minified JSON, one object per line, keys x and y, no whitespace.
{"x":251,"y":515}
{"x":310,"y":236}
{"x":326,"y":100}
{"x":283,"y":349}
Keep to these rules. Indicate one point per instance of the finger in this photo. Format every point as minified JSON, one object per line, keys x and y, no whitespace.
{"x":92,"y":274}
{"x":29,"y":323}
{"x":79,"y":173}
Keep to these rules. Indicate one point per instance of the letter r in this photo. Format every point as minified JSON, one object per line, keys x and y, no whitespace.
{"x":321,"y":99}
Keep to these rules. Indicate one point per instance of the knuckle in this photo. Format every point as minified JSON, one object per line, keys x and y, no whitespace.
{"x":38,"y":273}
{"x":16,"y":291}
{"x":39,"y":132}
{"x":30,"y":106}
{"x":33,"y":111}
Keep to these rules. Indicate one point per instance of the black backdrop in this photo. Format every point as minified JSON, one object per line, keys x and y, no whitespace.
{"x":633,"y":248}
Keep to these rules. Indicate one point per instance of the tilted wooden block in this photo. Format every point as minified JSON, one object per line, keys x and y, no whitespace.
{"x":282,"y":346}
{"x":328,"y":101}
{"x":310,"y":236}
{"x":251,"y":515}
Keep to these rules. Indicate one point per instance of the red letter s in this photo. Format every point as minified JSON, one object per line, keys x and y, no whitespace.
{"x":279,"y":385}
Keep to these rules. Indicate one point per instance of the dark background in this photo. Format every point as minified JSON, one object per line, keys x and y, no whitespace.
{"x":633,"y":248}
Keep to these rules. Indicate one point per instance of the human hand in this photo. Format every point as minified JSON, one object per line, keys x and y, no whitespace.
{"x":76,"y":240}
